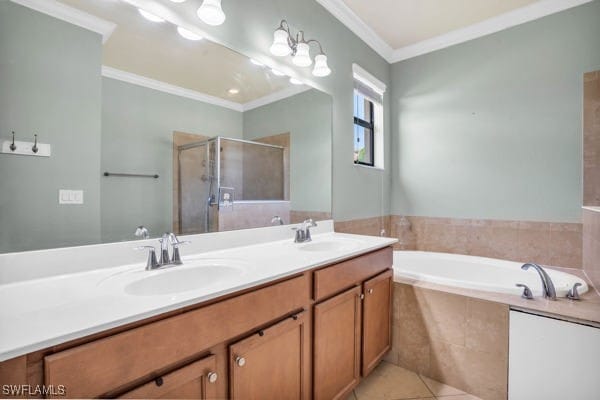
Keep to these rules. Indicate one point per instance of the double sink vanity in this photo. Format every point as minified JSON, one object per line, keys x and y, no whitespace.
{"x":249,"y":314}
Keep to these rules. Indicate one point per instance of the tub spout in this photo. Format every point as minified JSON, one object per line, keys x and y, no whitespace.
{"x":547,"y":284}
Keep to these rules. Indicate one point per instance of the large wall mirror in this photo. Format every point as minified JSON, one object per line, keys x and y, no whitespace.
{"x":149,"y":128}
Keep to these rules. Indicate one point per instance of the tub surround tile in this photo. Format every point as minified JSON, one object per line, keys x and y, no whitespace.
{"x":556,"y":244}
{"x":297,"y":217}
{"x":454,"y":339}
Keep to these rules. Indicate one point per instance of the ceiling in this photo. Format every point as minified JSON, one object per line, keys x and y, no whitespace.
{"x":402,"y":29}
{"x":404,"y":22}
{"x":157,"y":51}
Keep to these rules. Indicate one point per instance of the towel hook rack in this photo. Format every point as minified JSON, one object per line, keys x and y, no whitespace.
{"x":155,"y":176}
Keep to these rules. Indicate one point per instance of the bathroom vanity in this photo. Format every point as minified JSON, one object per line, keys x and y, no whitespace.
{"x":310,"y":334}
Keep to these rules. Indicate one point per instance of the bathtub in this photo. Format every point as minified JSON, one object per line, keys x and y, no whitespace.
{"x":487,"y":274}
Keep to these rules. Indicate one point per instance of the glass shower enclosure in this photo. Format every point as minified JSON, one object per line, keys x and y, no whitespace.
{"x":221,"y":180}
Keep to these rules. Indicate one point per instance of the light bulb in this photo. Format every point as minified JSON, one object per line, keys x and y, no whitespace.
{"x":321,"y":68}
{"x":302,"y":57}
{"x":188,"y":34}
{"x":295,"y":81}
{"x":210,"y":12}
{"x":149,"y":16}
{"x":280,"y":46}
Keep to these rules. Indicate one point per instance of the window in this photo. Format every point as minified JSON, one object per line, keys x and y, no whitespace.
{"x":368,"y":119}
{"x":364,"y":131}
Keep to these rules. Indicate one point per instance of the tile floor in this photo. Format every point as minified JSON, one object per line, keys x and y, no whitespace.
{"x":390,"y":382}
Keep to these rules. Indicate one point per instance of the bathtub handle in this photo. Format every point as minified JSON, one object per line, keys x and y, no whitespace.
{"x":573,"y":293}
{"x":526,"y":291}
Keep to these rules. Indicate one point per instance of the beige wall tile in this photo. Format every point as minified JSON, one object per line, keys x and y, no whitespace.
{"x":591,"y":246}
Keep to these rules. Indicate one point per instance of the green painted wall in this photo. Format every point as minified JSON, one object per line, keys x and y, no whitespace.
{"x":307,"y":117}
{"x":357,"y":192}
{"x":137,"y":137}
{"x":492,"y":128}
{"x":50,"y":85}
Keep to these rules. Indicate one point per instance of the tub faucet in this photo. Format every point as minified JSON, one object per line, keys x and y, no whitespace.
{"x":547,"y":284}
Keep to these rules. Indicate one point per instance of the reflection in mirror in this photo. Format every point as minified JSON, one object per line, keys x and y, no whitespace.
{"x":233,"y":145}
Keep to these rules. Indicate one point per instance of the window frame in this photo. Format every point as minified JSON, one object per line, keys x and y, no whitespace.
{"x":371,"y":126}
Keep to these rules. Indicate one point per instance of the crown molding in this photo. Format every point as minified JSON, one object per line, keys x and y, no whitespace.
{"x":492,"y":25}
{"x":113,"y":73}
{"x":71,"y":15}
{"x":276,"y":96}
{"x":346,"y":16}
{"x":501,"y":22}
{"x":124,"y":76}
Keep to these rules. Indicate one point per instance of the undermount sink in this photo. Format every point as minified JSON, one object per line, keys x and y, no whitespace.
{"x":192,"y":275}
{"x":182,"y":280}
{"x":331,"y":245}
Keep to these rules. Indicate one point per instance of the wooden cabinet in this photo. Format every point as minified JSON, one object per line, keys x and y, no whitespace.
{"x":194,"y":381}
{"x":336,"y":352}
{"x":317,"y":343}
{"x":271,"y":364}
{"x":377,"y":315}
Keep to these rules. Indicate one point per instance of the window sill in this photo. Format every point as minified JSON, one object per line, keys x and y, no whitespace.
{"x":369,"y":167}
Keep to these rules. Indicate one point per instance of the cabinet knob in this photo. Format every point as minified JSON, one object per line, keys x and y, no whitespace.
{"x":240,"y":361}
{"x":212,"y":377}
{"x":370,"y":291}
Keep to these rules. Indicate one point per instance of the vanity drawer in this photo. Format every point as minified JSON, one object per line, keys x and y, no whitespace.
{"x":331,"y":280}
{"x":106,"y":365}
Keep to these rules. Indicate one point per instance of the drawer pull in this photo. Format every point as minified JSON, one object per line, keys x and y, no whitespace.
{"x":240,"y":361}
{"x":212,"y":377}
{"x":370,"y":291}
{"x":159,"y":381}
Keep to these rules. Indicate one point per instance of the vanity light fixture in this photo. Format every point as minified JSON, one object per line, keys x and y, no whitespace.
{"x":233,"y":91}
{"x":284,"y":43}
{"x":189,"y":35}
{"x":149,"y":16}
{"x":211,"y":13}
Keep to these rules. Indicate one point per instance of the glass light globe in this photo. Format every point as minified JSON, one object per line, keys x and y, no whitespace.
{"x":321,"y":68}
{"x":280,"y":46}
{"x":186,"y":33}
{"x":150,"y":17}
{"x":302,"y":57}
{"x":210,"y":12}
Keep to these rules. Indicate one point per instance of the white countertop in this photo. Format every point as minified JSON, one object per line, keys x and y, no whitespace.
{"x":39,"y":313}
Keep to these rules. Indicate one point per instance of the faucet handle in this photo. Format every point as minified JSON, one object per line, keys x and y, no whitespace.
{"x":573,"y":293}
{"x":151,"y":262}
{"x":527,"y":294}
{"x":299,"y":235}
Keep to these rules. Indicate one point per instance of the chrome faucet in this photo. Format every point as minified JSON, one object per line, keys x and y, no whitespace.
{"x":547,"y":284}
{"x":303,"y":233}
{"x":168,"y":239}
{"x":276,"y":220}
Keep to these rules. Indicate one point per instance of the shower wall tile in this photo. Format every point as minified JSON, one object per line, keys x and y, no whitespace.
{"x":252,"y":215}
{"x":591,"y":245}
{"x":591,"y":139}
{"x":367,"y":226}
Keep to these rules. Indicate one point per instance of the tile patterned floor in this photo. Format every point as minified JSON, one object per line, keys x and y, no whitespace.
{"x":390,"y":382}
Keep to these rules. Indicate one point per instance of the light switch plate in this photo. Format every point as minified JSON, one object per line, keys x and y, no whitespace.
{"x":70,"y":196}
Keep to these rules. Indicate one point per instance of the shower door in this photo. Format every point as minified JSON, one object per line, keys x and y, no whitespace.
{"x":195,"y":179}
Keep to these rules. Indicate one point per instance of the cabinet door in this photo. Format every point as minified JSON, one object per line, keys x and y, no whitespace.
{"x":377,"y":314}
{"x":194,"y":381}
{"x":272,"y":363}
{"x":336,"y":349}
